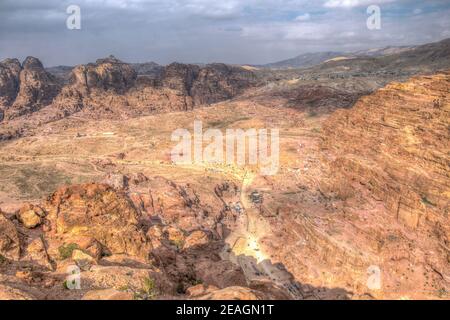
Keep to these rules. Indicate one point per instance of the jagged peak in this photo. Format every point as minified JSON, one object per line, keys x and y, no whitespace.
{"x":110,"y":59}
{"x":9,"y":61}
{"x":32,"y":63}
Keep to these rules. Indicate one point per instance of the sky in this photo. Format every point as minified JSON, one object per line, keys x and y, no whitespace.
{"x":204,"y":31}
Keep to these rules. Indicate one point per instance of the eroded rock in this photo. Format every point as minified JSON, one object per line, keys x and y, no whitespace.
{"x":9,"y":239}
{"x":99,"y":212}
{"x":31,"y":216}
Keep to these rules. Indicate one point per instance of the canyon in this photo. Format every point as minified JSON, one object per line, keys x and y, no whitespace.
{"x":87,"y":181}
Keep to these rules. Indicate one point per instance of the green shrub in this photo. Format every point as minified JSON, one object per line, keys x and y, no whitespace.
{"x":148,"y":290}
{"x":65,"y":251}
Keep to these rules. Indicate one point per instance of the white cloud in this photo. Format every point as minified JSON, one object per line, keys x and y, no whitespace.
{"x":303,"y":17}
{"x":212,"y":9}
{"x":234,"y":31}
{"x":353,"y":3}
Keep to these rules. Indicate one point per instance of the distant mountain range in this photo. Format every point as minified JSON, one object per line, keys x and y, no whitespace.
{"x":304,"y":60}
{"x":311,"y":59}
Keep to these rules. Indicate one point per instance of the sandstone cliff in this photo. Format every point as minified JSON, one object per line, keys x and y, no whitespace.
{"x":109,"y":88}
{"x":396,"y":144}
{"x":9,"y":83}
{"x":37,"y":88}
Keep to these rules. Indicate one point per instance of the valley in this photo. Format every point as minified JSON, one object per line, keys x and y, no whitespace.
{"x":87,"y":179}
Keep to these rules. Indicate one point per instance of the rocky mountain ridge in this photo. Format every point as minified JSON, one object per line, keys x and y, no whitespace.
{"x":111,"y":88}
{"x":393,"y":57}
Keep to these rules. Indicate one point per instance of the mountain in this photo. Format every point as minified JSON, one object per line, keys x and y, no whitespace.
{"x":382,"y":51}
{"x":109,"y":88}
{"x":423,"y":59}
{"x":304,"y":60}
{"x":147,"y":69}
{"x":60,"y":72}
{"x":142,"y":69}
{"x":390,"y":52}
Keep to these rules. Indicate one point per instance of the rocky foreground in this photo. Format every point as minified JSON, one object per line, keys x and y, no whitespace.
{"x":144,"y":239}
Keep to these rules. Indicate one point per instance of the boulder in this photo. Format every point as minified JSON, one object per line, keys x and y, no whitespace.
{"x":36,"y":252}
{"x":31,"y":216}
{"x":82,"y":259}
{"x":97,"y":211}
{"x":9,"y":239}
{"x":200,"y":290}
{"x":196,"y":240}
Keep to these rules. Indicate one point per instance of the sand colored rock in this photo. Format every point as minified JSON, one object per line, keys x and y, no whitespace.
{"x":37,"y":89}
{"x":396,"y":143}
{"x":107,"y":294}
{"x":9,"y":239}
{"x":9,"y":83}
{"x":31,"y":216}
{"x":98,"y":212}
{"x":196,"y":239}
{"x":10,"y":293}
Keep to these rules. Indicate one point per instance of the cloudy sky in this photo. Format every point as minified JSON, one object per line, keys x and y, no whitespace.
{"x":231,"y":31}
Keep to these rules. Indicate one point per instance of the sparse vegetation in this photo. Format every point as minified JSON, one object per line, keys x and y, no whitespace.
{"x":225,"y":123}
{"x":427,"y":202}
{"x":179,"y":243}
{"x":65,"y":251}
{"x":148,"y":290}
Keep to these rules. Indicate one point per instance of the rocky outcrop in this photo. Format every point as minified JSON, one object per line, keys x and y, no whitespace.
{"x":396,"y":144}
{"x":10,"y":293}
{"x":30,"y":216}
{"x":180,"y":77}
{"x":9,"y":83}
{"x":108,"y":89}
{"x":209,"y":84}
{"x":106,"y":74}
{"x":37,"y":89}
{"x":219,"y":82}
{"x":129,"y":242}
{"x":9,"y":239}
{"x":99,"y":213}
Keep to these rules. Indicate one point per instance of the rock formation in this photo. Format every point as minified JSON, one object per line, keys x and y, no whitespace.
{"x":395,"y":144}
{"x":106,"y":74}
{"x":37,"y":89}
{"x":209,"y":84}
{"x":156,"y":242}
{"x":9,"y":239}
{"x":9,"y":83}
{"x":111,"y":89}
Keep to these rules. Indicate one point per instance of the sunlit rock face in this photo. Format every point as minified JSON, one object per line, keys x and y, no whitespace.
{"x":396,"y":143}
